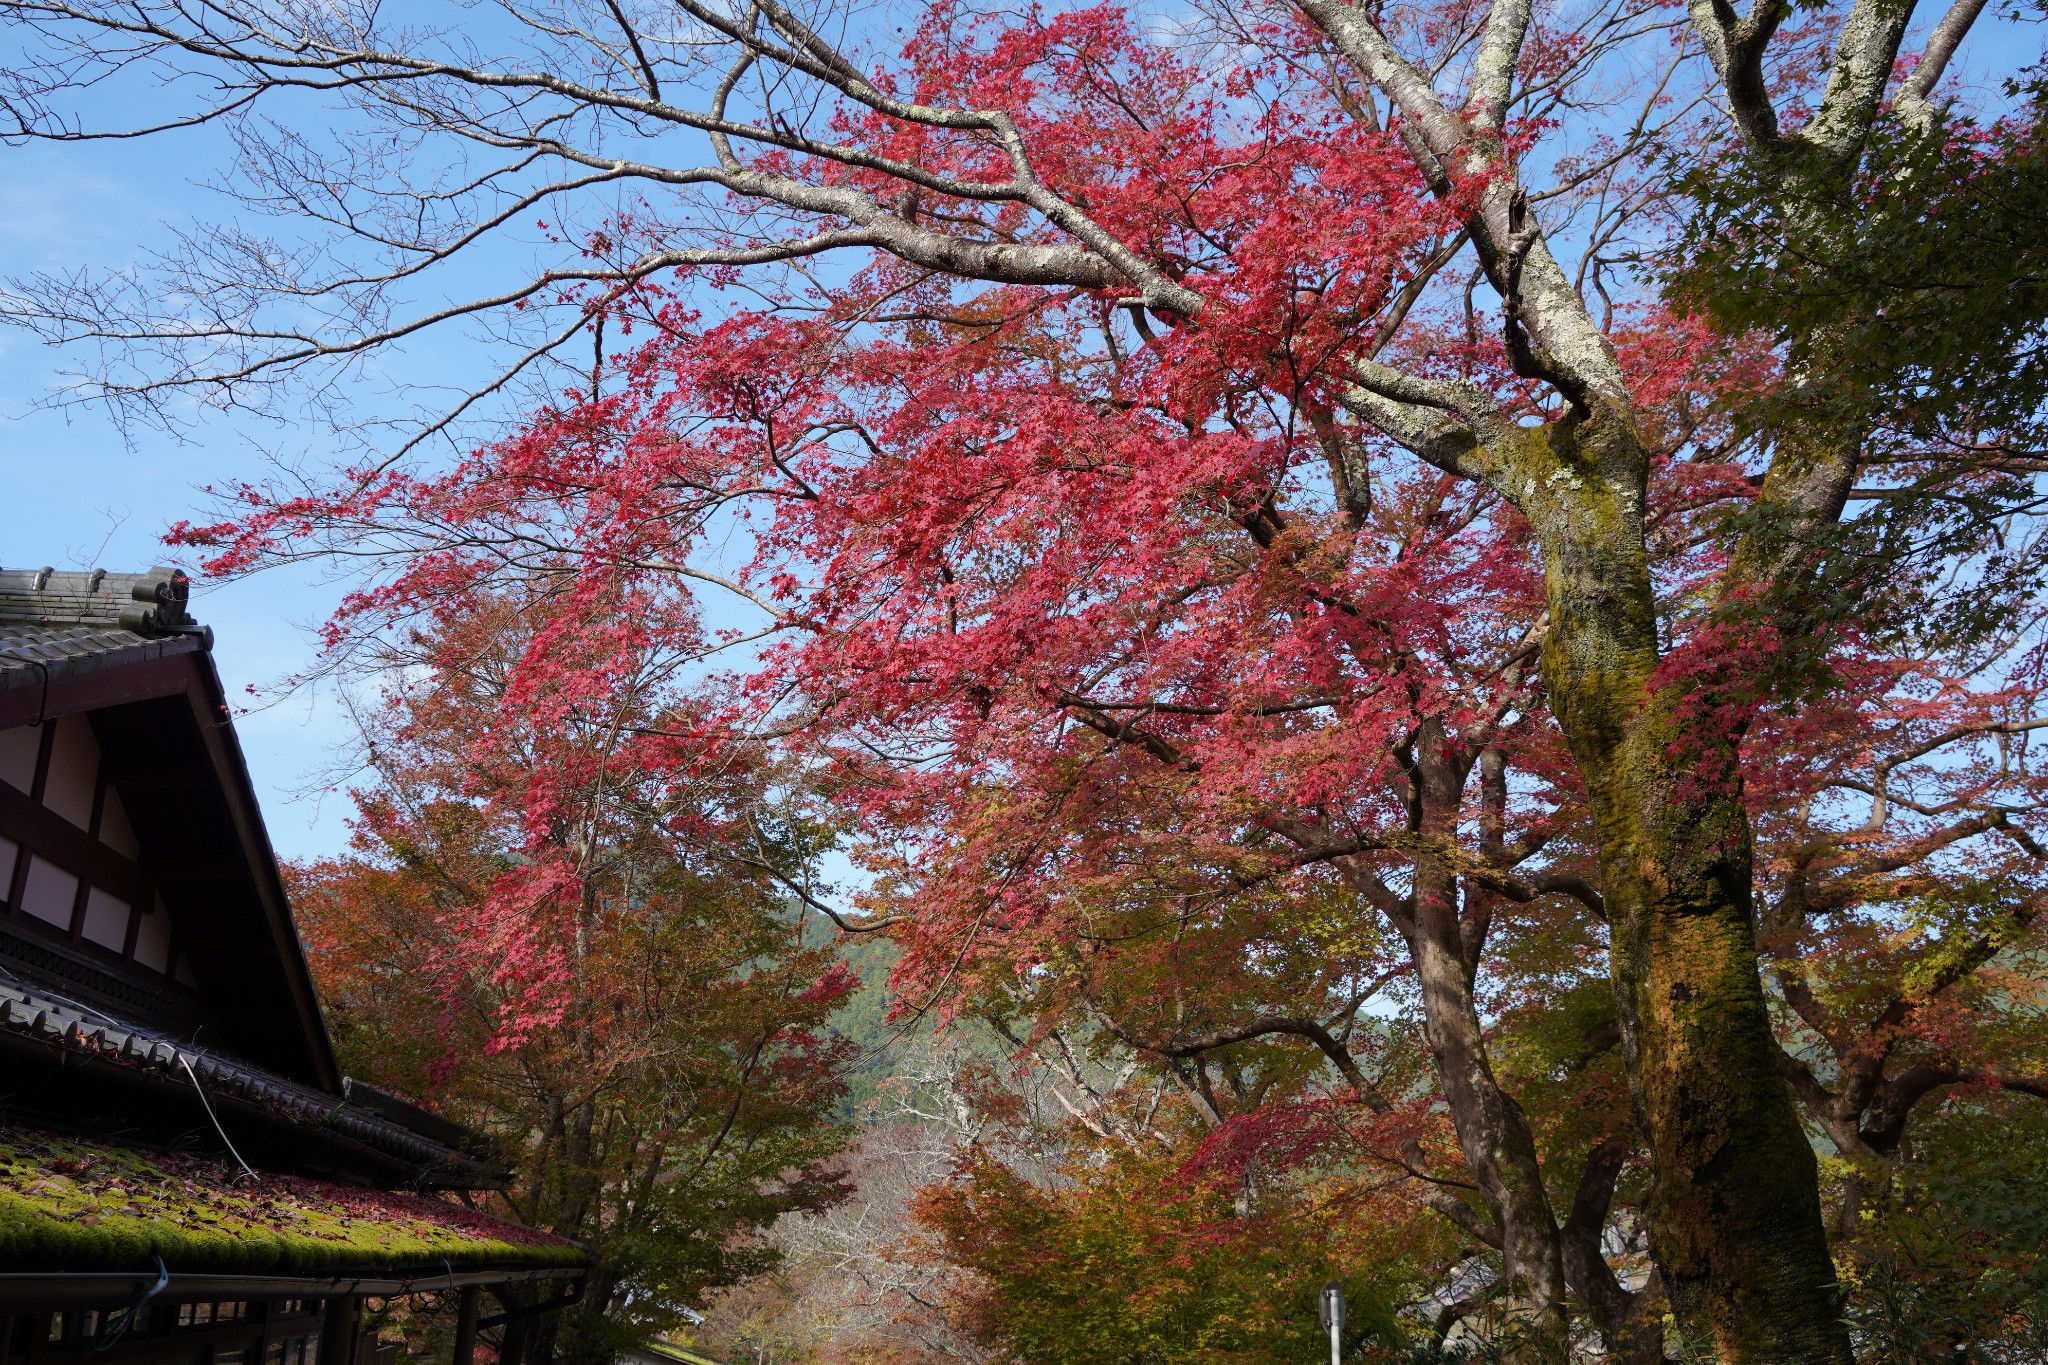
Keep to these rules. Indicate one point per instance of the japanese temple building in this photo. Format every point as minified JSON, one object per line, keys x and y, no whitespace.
{"x":185,"y":1175}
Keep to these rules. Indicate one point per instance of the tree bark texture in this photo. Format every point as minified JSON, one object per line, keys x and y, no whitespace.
{"x":1499,"y":1148}
{"x":1736,"y":1221}
{"x":1630,"y":1324}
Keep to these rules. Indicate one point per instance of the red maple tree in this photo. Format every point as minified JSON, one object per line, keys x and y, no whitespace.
{"x":1152,"y":517}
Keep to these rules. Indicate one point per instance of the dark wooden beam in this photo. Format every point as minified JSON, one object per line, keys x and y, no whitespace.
{"x":38,"y":829}
{"x":70,"y":693}
{"x":534,"y":1310}
{"x":46,"y":744}
{"x":38,"y":1289}
{"x":338,"y":1330}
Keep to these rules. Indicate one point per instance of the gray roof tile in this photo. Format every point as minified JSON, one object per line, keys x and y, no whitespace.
{"x":58,"y":624}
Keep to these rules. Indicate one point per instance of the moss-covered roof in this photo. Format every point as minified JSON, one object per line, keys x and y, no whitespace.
{"x":682,"y":1355}
{"x":69,"y":1204}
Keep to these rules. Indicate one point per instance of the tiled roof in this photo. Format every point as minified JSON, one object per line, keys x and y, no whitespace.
{"x":53,"y":624}
{"x":31,"y":1011}
{"x":66,"y":650}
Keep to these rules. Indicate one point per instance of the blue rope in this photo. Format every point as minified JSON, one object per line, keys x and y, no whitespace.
{"x":118,"y":1322}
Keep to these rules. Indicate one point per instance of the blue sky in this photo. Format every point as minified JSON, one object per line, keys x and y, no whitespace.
{"x":80,"y":493}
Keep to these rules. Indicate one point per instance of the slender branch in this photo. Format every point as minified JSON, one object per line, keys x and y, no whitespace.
{"x":1270,"y":1026}
{"x":1912,"y":100}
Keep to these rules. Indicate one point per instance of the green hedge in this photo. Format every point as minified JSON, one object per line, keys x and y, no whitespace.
{"x":66,"y":1204}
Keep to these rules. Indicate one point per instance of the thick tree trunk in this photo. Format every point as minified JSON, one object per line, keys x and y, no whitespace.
{"x":580,"y":1335}
{"x":1735,"y":1219}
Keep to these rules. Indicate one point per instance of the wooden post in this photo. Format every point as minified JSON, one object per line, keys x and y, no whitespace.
{"x":338,"y":1331}
{"x":512,"y":1349}
{"x":465,"y":1325}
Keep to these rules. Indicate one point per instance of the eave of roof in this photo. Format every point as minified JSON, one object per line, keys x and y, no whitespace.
{"x":32,"y":654}
{"x":34,"y":1015}
{"x":67,"y":1204}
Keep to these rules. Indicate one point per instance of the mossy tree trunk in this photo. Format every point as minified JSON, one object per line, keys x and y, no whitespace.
{"x":1736,"y":1219}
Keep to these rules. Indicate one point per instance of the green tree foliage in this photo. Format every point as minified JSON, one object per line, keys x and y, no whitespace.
{"x":1948,"y":1258}
{"x":1907,"y":298}
{"x":1912,"y":289}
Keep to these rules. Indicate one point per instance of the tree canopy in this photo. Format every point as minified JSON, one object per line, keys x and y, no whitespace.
{"x":1516,"y":519}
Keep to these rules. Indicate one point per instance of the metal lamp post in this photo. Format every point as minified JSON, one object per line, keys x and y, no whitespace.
{"x":1331,"y":1312}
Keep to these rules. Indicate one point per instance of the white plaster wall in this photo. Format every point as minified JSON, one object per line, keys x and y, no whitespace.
{"x":106,"y":920}
{"x":153,"y":939}
{"x":18,"y":756}
{"x":49,"y":892}
{"x":74,"y":771}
